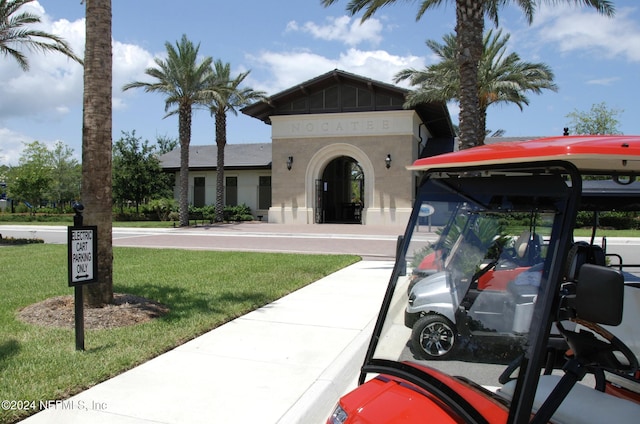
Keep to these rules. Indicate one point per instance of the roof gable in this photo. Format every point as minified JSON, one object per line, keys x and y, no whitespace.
{"x":339,"y":92}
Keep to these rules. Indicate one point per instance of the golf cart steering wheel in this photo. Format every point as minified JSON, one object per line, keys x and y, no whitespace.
{"x":601,"y":354}
{"x":594,"y":352}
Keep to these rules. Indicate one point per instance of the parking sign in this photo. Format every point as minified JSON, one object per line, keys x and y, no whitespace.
{"x":82,"y":248}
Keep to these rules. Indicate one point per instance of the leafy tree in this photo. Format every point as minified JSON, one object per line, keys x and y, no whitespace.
{"x":44,"y":174}
{"x":470,"y":15}
{"x":599,"y":120}
{"x":502,"y":78}
{"x":166,"y":144}
{"x":15,"y":34}
{"x":4,"y":173}
{"x":226,"y":96}
{"x":31,"y":180}
{"x":183,"y":80}
{"x":66,"y":174}
{"x":96,"y":144}
{"x":137,"y":174}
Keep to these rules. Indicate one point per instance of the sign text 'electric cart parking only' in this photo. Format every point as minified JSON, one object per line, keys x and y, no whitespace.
{"x":83,"y":243}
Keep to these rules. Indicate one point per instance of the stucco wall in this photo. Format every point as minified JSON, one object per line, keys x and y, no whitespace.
{"x":248,"y":181}
{"x":315,"y":140}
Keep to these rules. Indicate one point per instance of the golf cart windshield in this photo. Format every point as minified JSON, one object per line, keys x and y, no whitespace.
{"x":476,"y":297}
{"x":467,"y":296}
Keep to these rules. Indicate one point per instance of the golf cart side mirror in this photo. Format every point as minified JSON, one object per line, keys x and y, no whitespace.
{"x":599,"y":295}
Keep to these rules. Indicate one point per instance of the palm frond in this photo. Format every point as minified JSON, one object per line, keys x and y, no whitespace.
{"x":16,"y":35}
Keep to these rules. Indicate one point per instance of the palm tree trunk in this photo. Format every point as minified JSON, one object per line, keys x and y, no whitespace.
{"x":96,"y":144}
{"x":483,"y":120}
{"x":184,"y":130}
{"x":221,"y":142}
{"x":469,"y":30}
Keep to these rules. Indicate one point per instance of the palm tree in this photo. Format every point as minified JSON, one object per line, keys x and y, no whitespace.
{"x":184,"y":83}
{"x":469,"y":30}
{"x":15,"y":34}
{"x":501,"y":79}
{"x":96,"y":144}
{"x":226,"y":96}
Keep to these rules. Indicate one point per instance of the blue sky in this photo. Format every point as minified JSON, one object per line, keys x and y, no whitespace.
{"x":286,"y":42}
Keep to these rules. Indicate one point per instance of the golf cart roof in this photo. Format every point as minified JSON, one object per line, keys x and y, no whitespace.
{"x":595,"y":153}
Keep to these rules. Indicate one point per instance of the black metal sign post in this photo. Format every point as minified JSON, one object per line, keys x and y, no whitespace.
{"x":82,"y":242}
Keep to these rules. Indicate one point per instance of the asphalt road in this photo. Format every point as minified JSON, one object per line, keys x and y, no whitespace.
{"x":369,"y":242}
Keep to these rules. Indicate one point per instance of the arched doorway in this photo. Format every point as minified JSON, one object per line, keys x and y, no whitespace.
{"x":340,"y":192}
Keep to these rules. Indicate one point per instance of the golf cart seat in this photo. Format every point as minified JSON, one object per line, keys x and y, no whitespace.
{"x":582,"y":253}
{"x":583,"y":405}
{"x":527,"y":248}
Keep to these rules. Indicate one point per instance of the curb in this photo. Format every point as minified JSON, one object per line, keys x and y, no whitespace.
{"x":317,"y":402}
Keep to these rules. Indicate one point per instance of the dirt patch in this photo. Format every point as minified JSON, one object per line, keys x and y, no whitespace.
{"x":125,"y":310}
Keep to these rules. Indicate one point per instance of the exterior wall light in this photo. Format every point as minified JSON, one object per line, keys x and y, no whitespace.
{"x":387,"y":161}
{"x":289,"y":162}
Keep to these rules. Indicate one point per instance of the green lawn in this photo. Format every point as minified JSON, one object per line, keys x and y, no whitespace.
{"x":605,"y":232}
{"x":202,"y":289}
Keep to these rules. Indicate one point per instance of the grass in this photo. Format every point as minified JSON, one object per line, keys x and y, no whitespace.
{"x":605,"y":232}
{"x":203,"y":290}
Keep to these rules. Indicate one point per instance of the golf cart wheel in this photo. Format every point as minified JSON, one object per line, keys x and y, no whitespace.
{"x":434,"y":337}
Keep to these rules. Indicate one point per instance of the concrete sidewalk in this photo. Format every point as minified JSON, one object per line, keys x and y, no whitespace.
{"x":287,"y":362}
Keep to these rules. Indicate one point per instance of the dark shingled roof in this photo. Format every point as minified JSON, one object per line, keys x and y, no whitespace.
{"x":236,"y":156}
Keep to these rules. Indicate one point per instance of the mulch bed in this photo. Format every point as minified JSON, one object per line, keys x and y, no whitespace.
{"x":125,"y":310}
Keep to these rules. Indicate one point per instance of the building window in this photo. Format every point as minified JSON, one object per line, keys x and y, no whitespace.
{"x":264,"y":193}
{"x":199,"y":192}
{"x":231,"y":191}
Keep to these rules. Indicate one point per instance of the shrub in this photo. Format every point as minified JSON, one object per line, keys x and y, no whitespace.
{"x":129,"y":217}
{"x":28,"y":217}
{"x":614,"y":220}
{"x":208,"y":211}
{"x":20,"y":207}
{"x":18,"y":241}
{"x":618,"y":220}
{"x":237,"y":213}
{"x":160,"y":208}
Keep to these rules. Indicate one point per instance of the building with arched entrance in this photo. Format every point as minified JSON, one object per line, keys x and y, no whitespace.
{"x":340,"y":143}
{"x":339,"y":147}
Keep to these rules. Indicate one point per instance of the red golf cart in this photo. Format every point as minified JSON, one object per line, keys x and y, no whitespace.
{"x":517,"y":313}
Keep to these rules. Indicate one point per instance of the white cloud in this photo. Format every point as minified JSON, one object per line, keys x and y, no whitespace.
{"x":378,"y":64}
{"x":12,"y":146}
{"x":129,"y":64}
{"x":583,"y":29}
{"x":286,"y":69}
{"x":603,"y":81}
{"x":343,"y":28}
{"x":54,"y":83}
